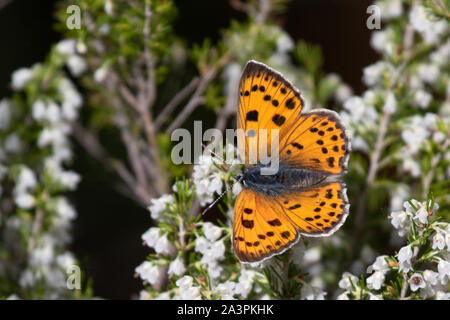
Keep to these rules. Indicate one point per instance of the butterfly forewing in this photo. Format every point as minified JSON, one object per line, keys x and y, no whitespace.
{"x":260,"y":230}
{"x":266,"y":101}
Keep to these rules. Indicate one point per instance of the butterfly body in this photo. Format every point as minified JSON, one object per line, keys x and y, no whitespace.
{"x":287,"y":179}
{"x":305,"y":195}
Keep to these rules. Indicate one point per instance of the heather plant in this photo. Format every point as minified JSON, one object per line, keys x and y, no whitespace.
{"x":140,"y":82}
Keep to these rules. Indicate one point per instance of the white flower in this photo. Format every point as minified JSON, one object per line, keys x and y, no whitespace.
{"x":428,"y":73}
{"x":148,"y":272}
{"x":422,"y":215}
{"x":211,"y":231}
{"x":312,"y":255}
{"x":44,"y":253}
{"x":53,"y":114}
{"x":360,"y":111}
{"x":186,"y":289}
{"x":237,"y":188}
{"x":438,"y":137}
{"x":27,"y":279}
{"x":151,"y":236}
{"x":192,"y":293}
{"x":343,"y":92}
{"x":398,"y":196}
{"x":65,"y":260}
{"x":69,"y":93}
{"x":5,"y":114}
{"x":309,"y":292}
{"x":404,"y":257}
{"x":185,"y":282}
{"x":77,"y":65}
{"x":412,"y":167}
{"x":162,"y":245}
{"x":347,"y":281}
{"x":20,"y":78}
{"x":442,"y":295}
{"x":438,"y":241}
{"x":144,"y":295}
{"x":376,"y":280}
{"x":100,"y":74}
{"x":69,"y":179}
{"x":390,"y":9}
{"x":416,"y":282}
{"x":422,"y":99}
{"x":390,"y":104}
{"x":201,"y":245}
{"x":380,"y":264}
{"x":26,"y":180}
{"x":24,"y":200}
{"x":444,"y":271}
{"x":285,"y":43}
{"x":65,"y":210}
{"x":215,"y":185}
{"x":208,"y":177}
{"x":109,"y":7}
{"x":429,"y":29}
{"x":218,"y":250}
{"x":400,"y":221}
{"x":441,"y":55}
{"x":375,"y":296}
{"x":159,"y":205}
{"x":430,"y":277}
{"x":343,"y":296}
{"x":245,"y":283}
{"x":177,"y":267}
{"x":372,"y":74}
{"x":225,"y":290}
{"x":39,"y":110}
{"x":66,"y":47}
{"x":12,"y":143}
{"x":163,"y":296}
{"x":214,"y":270}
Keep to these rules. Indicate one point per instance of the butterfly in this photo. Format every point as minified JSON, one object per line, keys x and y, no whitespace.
{"x":305,"y":195}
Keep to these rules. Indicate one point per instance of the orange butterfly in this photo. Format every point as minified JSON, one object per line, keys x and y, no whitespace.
{"x":305,"y":196}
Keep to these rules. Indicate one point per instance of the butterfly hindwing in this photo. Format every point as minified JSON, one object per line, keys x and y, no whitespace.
{"x":317,"y":211}
{"x":318,"y":141}
{"x":260,"y":230}
{"x":266,"y":101}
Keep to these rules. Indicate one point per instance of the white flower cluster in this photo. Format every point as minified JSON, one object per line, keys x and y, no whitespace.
{"x":212,"y":249}
{"x":159,"y":205}
{"x":416,"y":130}
{"x":156,"y":239}
{"x":428,"y":283}
{"x":349,"y":283}
{"x":401,"y":220}
{"x":75,"y":62}
{"x":208,"y":176}
{"x":360,"y":116}
{"x":47,"y":257}
{"x":423,"y":22}
{"x":47,"y":265}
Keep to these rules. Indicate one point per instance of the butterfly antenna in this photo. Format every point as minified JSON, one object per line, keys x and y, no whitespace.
{"x":238,"y":180}
{"x":213,"y":153}
{"x":215,"y":201}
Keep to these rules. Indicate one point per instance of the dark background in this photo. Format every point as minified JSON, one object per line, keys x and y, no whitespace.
{"x":107,"y":231}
